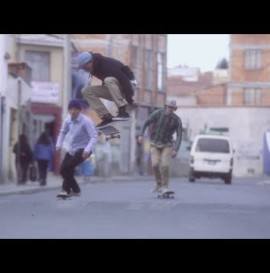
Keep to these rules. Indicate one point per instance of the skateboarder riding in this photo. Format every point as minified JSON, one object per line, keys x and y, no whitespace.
{"x":82,"y":140}
{"x":118,"y":85}
{"x":165,"y":123}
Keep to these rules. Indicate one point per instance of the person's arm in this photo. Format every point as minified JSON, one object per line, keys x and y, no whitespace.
{"x":178,"y":140}
{"x":152,"y":117}
{"x":126,"y":85}
{"x":62,"y":134}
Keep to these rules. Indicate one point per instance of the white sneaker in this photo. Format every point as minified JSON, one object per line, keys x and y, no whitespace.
{"x":164,"y":190}
{"x":63,"y":194}
{"x":156,"y":188}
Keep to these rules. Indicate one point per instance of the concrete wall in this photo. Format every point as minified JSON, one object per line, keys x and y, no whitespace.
{"x":246,"y":128}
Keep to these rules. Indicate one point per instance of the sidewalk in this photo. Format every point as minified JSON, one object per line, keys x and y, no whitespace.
{"x":55,"y":182}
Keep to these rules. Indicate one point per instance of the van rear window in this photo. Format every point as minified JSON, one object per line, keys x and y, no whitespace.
{"x":213,"y":145}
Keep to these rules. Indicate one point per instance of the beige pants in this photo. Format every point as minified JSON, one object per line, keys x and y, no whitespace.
{"x":111,"y":90}
{"x":160,"y":158}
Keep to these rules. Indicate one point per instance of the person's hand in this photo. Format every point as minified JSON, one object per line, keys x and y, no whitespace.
{"x":58,"y":149}
{"x":140,"y":139}
{"x":134,"y":104}
{"x":174,"y":153}
{"x":134,"y":82}
{"x":86,"y":155}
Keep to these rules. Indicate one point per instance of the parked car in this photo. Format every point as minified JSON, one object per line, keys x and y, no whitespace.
{"x":211,"y":156}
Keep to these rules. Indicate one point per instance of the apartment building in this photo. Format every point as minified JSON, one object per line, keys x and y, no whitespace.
{"x":249,"y":92}
{"x":35,"y":91}
{"x":236,"y":103}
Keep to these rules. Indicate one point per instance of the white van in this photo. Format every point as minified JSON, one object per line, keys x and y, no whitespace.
{"x":211,"y":156}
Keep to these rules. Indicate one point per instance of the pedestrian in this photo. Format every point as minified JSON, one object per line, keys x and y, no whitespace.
{"x":24,"y":154}
{"x":118,"y":85}
{"x":164,"y":124}
{"x":83,"y":138}
{"x":43,"y":153}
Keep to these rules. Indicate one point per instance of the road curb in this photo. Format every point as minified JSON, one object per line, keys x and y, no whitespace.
{"x":56,"y":183}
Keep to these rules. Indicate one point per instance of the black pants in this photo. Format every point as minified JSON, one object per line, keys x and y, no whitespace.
{"x":42,"y":170}
{"x":22,"y":171}
{"x":67,"y":170}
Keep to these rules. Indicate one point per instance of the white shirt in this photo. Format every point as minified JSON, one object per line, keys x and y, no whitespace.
{"x":82,"y":134}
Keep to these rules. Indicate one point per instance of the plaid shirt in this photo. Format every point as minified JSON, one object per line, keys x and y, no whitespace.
{"x":164,"y":126}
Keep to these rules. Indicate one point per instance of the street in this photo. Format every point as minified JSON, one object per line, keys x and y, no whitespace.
{"x":126,"y":209}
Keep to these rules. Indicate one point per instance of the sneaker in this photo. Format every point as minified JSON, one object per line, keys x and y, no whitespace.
{"x":122,"y":114}
{"x":105,"y":121}
{"x":156,"y":188}
{"x":164,"y":190}
{"x":75,"y":194}
{"x":63,"y":194}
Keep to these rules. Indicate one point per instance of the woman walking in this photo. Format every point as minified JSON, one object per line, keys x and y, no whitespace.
{"x":43,"y":152}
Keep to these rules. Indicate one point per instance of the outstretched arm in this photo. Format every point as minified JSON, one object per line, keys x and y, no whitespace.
{"x":151,"y":119}
{"x":178,"y":141}
{"x":62,"y":134}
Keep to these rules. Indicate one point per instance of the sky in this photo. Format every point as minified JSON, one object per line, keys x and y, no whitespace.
{"x":197,"y":50}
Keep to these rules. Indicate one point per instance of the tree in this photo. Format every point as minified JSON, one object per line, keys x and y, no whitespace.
{"x":223,"y":64}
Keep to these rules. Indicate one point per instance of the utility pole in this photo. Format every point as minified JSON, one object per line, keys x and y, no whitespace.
{"x":4,"y":56}
{"x":67,"y":75}
{"x":19,"y":94}
{"x":1,"y":93}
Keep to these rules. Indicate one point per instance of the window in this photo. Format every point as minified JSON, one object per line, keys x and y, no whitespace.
{"x":252,"y":96}
{"x":253,"y":59}
{"x":135,"y":62}
{"x":221,"y":130}
{"x":148,"y":69}
{"x":40,"y":64}
{"x":213,"y":145}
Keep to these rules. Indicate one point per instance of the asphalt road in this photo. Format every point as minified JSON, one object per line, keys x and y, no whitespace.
{"x":126,"y":209}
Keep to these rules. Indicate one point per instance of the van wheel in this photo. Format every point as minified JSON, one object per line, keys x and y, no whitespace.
{"x":228,"y":178}
{"x":191,"y":176}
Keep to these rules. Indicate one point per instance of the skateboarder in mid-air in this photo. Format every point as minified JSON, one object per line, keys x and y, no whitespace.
{"x":82,"y":140}
{"x":165,"y":123}
{"x":118,"y":85}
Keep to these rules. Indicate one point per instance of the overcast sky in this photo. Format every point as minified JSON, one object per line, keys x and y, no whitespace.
{"x":197,"y":50}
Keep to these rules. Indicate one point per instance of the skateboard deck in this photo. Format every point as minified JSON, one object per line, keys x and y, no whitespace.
{"x":109,"y":132}
{"x":166,"y":195}
{"x":63,"y":197}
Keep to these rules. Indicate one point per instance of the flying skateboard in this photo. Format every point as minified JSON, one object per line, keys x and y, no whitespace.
{"x":109,"y":132}
{"x":166,"y":195}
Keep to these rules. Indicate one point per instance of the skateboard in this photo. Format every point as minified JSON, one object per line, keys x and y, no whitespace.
{"x":166,"y":195}
{"x":109,"y":132}
{"x":63,"y":197}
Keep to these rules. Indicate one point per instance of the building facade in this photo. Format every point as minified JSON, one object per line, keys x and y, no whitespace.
{"x":146,"y":54}
{"x":40,"y":81}
{"x":237,"y":105}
